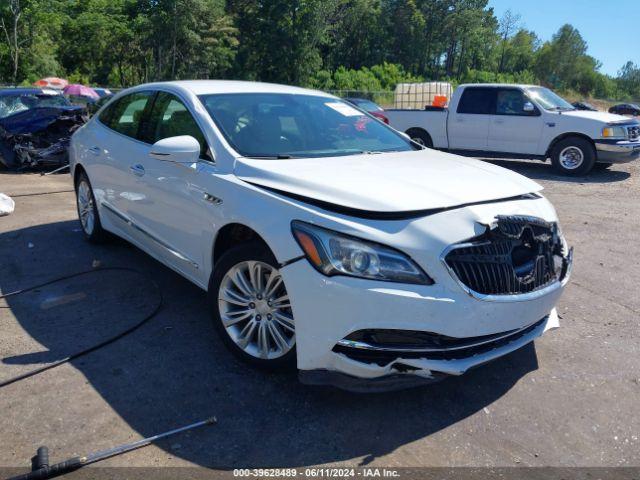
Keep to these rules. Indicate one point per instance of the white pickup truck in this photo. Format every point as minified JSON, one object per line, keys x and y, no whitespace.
{"x":522,"y":121}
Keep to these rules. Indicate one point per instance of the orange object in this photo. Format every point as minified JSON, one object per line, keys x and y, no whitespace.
{"x":52,"y":82}
{"x":309,"y":248}
{"x":440,"y":101}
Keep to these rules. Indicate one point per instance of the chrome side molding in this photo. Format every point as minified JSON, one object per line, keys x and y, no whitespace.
{"x":149,"y":235}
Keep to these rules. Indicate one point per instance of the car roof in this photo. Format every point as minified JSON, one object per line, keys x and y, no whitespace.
{"x":26,"y":91}
{"x":208,"y":87}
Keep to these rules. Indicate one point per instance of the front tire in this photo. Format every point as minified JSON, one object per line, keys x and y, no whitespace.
{"x":88,"y":211}
{"x":573,"y":156}
{"x":251,"y":309}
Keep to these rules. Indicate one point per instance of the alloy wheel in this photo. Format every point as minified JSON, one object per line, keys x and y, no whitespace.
{"x":85,"y":207}
{"x":255,"y":310}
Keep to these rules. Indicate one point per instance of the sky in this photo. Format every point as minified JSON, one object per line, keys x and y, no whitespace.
{"x":609,"y":27}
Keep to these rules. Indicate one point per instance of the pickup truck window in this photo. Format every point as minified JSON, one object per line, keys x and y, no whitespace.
{"x":479,"y":101}
{"x":275,"y":125}
{"x":511,"y":101}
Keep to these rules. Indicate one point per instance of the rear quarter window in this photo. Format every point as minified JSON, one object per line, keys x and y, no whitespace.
{"x":479,"y":101}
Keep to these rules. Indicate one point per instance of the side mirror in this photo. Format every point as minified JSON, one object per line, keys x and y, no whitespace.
{"x":528,"y":107}
{"x":182,"y":149}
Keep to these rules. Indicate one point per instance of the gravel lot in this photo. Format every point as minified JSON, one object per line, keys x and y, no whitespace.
{"x":570,"y":400}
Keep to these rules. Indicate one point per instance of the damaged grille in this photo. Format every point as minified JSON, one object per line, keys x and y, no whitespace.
{"x":634,"y":133}
{"x":518,"y":255}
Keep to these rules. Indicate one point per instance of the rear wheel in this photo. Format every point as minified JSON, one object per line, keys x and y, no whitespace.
{"x":420,"y":137}
{"x":88,"y":211}
{"x":573,"y":156}
{"x":251,"y":308}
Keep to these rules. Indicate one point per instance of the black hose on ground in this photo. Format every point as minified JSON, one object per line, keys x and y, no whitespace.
{"x":104,"y":343}
{"x":35,"y":194}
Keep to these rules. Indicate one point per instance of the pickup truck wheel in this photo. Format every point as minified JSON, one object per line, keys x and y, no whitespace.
{"x":420,"y":136}
{"x":573,"y":156}
{"x":251,"y":308}
{"x":88,"y":211}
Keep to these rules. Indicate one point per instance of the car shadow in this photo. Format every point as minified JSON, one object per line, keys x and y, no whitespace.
{"x":544,"y":171}
{"x":174,"y":370}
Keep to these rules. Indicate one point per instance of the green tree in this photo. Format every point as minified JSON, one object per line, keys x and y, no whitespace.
{"x":629,"y":80}
{"x":558,"y":61}
{"x":520,"y":51}
{"x":280,"y":40}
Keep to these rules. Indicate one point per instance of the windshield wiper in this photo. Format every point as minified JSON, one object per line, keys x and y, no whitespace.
{"x":377,"y":152}
{"x":281,"y":156}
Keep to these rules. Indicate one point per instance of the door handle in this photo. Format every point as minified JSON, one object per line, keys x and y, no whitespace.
{"x":498,"y":121}
{"x":95,"y":150}
{"x":137,"y":169}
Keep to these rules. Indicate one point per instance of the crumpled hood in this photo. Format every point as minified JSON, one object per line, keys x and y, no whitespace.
{"x":388,"y":182}
{"x":599,"y":116}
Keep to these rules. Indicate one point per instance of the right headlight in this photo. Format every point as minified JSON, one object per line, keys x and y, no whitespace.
{"x":333,"y":253}
{"x":614,"y":132}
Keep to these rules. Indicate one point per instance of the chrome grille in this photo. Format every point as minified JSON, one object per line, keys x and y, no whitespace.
{"x":518,"y":255}
{"x":634,"y":132}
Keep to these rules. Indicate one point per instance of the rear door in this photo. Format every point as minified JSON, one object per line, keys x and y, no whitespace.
{"x":517,"y":124}
{"x":115,"y":147}
{"x":468,"y":126}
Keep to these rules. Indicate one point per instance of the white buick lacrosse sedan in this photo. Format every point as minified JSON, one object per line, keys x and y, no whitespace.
{"x":325,"y":239}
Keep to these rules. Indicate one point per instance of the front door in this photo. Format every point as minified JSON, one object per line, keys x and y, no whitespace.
{"x":516,"y":126}
{"x":179,"y":212}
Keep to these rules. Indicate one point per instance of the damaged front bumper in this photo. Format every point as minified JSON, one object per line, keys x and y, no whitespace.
{"x":406,"y":369}
{"x":367,"y":335}
{"x":46,"y":146}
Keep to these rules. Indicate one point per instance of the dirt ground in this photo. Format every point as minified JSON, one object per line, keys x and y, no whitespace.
{"x":572,"y":399}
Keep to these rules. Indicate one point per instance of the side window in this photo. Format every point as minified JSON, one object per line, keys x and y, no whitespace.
{"x":125,"y":115}
{"x":479,"y":101}
{"x":511,"y":101}
{"x":170,"y":118}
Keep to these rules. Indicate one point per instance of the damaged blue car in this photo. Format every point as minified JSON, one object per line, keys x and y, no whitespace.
{"x":35,"y":127}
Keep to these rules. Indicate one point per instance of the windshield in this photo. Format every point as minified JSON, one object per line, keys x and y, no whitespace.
{"x":12,"y":104}
{"x":549,"y":100}
{"x":276,"y":125}
{"x":367,"y":105}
